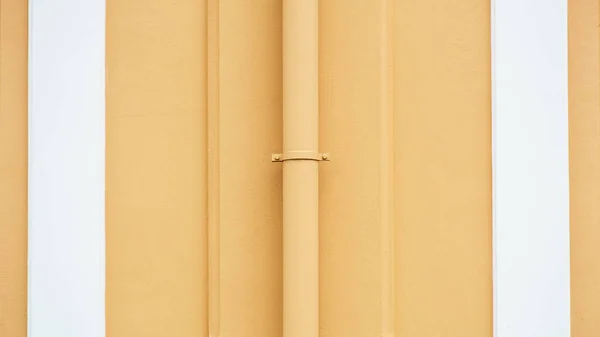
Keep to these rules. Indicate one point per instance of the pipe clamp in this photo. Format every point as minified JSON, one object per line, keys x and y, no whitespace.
{"x":299,"y":155}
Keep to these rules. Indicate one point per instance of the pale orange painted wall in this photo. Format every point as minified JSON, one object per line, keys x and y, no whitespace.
{"x":194,"y":92}
{"x":440,"y":195}
{"x":156,"y":263}
{"x":584,"y":127}
{"x":13,"y":168}
{"x":248,"y":85}
{"x":370,"y":100}
{"x":443,"y":168}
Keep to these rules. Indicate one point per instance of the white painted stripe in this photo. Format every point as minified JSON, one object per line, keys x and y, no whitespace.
{"x":66,"y":168}
{"x":531,"y":168}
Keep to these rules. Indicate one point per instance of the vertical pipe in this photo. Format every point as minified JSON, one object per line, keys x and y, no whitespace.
{"x":300,"y":177}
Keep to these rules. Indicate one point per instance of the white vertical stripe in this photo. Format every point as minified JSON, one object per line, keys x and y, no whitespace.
{"x":66,"y":168}
{"x":531,"y":168}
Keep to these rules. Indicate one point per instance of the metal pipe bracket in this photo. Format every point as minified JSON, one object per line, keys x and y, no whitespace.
{"x":299,"y":155}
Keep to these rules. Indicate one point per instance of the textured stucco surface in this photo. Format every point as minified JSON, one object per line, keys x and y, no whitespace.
{"x":156,"y":168}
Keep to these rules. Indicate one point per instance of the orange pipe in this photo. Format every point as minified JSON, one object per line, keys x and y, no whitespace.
{"x":300,"y":177}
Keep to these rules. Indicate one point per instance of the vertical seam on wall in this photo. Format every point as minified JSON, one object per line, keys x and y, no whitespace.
{"x":3,"y":252}
{"x":29,"y":163}
{"x":213,"y":162}
{"x":386,"y":168}
{"x":494,"y":186}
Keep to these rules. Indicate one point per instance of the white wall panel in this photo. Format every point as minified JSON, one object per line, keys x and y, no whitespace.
{"x":531,"y":168}
{"x":66,"y":168}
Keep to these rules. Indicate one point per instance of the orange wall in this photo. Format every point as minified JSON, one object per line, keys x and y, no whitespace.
{"x":194,"y":203}
{"x":13,"y":168}
{"x":156,"y":168}
{"x":247,"y":123}
{"x":393,"y":201}
{"x":443,"y":168}
{"x":584,"y":127}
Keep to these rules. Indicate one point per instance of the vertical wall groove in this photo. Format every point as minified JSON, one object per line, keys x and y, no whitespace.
{"x":213,"y":133}
{"x":387,"y":167}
